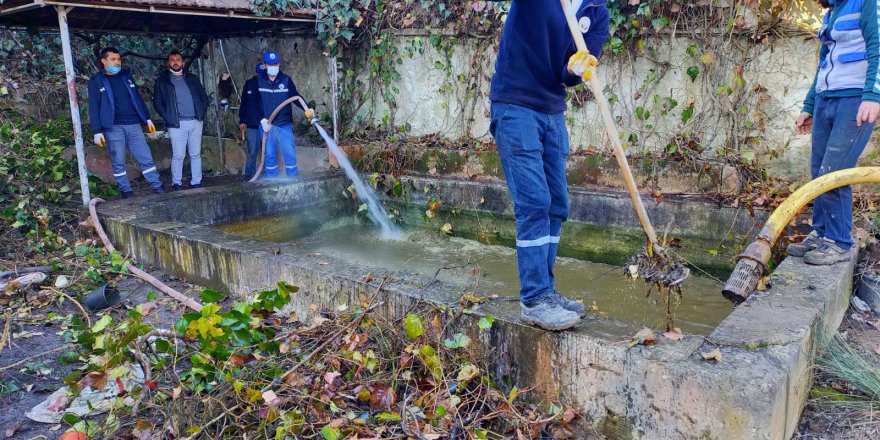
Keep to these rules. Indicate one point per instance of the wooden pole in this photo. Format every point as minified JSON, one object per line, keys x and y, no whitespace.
{"x":604,"y":109}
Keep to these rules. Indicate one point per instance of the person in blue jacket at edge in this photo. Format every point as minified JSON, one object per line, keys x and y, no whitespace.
{"x":537,"y":60}
{"x":275,"y":87}
{"x":249,"y":115}
{"x":840,"y":110}
{"x":116,"y":112}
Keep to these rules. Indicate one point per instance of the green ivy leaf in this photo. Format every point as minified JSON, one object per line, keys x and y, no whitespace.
{"x":211,"y":296}
{"x":388,"y":417}
{"x":693,"y":72}
{"x":414,"y":326}
{"x":102,"y":323}
{"x":486,"y":322}
{"x":70,"y":418}
{"x":687,"y":114}
{"x":330,"y":433}
{"x":459,"y":340}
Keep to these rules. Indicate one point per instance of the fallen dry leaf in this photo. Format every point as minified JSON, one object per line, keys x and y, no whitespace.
{"x":148,"y":307}
{"x":175,"y":393}
{"x":673,"y":335}
{"x":143,"y":430}
{"x":714,"y":355}
{"x":11,"y":431}
{"x":270,"y":397}
{"x":95,"y":379}
{"x":331,"y":376}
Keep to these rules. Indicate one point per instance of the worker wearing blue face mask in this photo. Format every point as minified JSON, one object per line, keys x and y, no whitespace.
{"x":116,"y":112}
{"x":840,"y":111}
{"x":275,"y":87}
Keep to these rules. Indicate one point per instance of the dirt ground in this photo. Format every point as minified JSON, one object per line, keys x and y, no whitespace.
{"x":41,"y":350}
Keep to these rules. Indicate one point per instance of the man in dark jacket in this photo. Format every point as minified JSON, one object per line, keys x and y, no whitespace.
{"x":249,"y":115}
{"x":116,"y":112}
{"x":275,"y":87}
{"x":537,"y":60}
{"x":181,"y":100}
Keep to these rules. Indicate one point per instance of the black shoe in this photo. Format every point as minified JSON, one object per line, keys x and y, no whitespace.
{"x":159,"y":190}
{"x":196,"y":185}
{"x":127,"y":194}
{"x":176,"y":187}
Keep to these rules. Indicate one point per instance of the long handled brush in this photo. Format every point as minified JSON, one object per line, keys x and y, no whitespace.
{"x":652,"y":263}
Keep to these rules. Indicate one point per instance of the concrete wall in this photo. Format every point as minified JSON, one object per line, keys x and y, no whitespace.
{"x":446,"y":91}
{"x":777,"y":75}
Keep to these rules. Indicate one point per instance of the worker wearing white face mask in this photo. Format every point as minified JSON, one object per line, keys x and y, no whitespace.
{"x":275,"y":87}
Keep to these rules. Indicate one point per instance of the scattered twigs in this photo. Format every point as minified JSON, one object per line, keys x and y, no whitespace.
{"x":336,"y":335}
{"x":5,"y":338}
{"x":78,"y":305}
{"x":96,"y":223}
{"x":36,"y":356}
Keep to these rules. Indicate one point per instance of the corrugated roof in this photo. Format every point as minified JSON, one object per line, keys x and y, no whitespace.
{"x":194,"y":17}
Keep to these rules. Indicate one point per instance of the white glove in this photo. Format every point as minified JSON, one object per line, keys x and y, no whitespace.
{"x":265,"y":123}
{"x":99,"y":139}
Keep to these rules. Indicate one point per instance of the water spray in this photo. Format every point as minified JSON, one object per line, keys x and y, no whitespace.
{"x":364,"y":191}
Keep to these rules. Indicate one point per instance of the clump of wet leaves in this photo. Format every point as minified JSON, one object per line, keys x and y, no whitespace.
{"x":663,"y":274}
{"x":254,"y":372}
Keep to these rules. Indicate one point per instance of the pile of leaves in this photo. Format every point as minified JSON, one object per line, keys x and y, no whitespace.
{"x":250,"y":371}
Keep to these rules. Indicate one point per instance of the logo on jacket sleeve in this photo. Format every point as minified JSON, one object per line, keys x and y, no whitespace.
{"x":584,"y":24}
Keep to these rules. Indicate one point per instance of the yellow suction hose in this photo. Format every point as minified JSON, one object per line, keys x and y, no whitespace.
{"x":752,"y":264}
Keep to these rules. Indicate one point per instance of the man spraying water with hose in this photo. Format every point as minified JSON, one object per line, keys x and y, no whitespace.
{"x":537,"y":60}
{"x":275,"y":87}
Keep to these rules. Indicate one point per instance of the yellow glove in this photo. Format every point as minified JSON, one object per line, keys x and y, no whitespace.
{"x":151,"y":127}
{"x":310,"y":114}
{"x":582,"y":64}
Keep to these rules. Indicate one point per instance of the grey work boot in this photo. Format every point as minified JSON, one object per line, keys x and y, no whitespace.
{"x":548,"y":314}
{"x":827,"y":253}
{"x":800,"y":249}
{"x":570,"y":304}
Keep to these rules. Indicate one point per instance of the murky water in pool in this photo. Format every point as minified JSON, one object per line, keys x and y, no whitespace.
{"x":490,"y":269}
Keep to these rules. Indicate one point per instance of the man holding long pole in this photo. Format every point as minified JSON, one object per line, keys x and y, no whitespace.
{"x":537,"y":60}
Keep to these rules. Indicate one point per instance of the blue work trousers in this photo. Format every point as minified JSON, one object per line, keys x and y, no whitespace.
{"x":837,"y":145}
{"x":281,"y":136}
{"x":254,"y":138}
{"x":131,"y":137}
{"x":533,"y":147}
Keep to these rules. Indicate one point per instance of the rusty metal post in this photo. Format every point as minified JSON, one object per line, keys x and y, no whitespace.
{"x":74,"y":102}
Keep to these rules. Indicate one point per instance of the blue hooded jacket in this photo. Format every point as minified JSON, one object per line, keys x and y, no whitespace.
{"x":102,"y":106}
{"x":532,"y":65}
